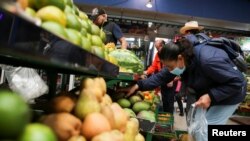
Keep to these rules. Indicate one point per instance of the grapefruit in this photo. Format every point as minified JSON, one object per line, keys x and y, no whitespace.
{"x":14,"y":115}
{"x":37,"y":132}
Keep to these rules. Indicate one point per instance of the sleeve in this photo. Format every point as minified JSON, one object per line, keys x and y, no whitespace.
{"x":228,"y":80}
{"x":154,"y":67}
{"x":117,"y":32}
{"x":162,"y":77}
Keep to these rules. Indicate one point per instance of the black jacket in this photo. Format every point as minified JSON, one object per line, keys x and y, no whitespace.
{"x":214,"y":74}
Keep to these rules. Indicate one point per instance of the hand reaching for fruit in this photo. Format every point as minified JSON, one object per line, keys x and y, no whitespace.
{"x":64,"y":125}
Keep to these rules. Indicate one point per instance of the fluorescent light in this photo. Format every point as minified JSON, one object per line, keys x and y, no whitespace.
{"x":149,"y":4}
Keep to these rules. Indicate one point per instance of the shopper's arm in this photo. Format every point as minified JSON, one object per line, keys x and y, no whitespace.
{"x":162,"y":77}
{"x":123,"y":42}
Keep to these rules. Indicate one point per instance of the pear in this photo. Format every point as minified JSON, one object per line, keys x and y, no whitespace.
{"x":86,"y":104}
{"x":109,"y":114}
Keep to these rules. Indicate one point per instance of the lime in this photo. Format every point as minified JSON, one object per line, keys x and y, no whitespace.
{"x":37,"y":132}
{"x":52,"y":13}
{"x":14,"y":115}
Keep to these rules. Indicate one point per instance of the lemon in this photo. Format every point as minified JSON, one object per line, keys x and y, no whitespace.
{"x":37,"y":132}
{"x":74,"y":36}
{"x":52,"y":13}
{"x":14,"y":115}
{"x":55,"y":28}
{"x":72,"y":21}
{"x":86,"y":44}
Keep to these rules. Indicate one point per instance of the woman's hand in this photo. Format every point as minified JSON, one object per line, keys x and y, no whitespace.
{"x":129,"y":90}
{"x":204,"y":101}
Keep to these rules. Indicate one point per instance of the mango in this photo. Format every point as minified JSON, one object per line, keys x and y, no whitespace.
{"x":140,"y":106}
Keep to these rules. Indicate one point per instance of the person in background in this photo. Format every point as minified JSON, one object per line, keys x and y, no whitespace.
{"x":112,"y":30}
{"x":167,"y":90}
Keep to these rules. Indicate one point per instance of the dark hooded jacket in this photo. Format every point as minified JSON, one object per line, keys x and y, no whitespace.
{"x":213,"y":73}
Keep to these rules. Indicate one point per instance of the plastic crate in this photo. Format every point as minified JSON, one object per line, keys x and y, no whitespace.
{"x":165,"y":123}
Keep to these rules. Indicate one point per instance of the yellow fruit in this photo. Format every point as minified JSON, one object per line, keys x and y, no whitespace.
{"x":77,"y":138}
{"x":99,"y":51}
{"x":31,"y":12}
{"x":73,"y":22}
{"x":74,"y":36}
{"x":55,"y":28}
{"x":52,"y":13}
{"x":14,"y":115}
{"x":37,"y":132}
{"x":41,"y":3}
{"x":84,"y":32}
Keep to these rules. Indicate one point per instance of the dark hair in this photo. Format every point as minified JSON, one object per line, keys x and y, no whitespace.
{"x":171,"y":50}
{"x":193,"y":31}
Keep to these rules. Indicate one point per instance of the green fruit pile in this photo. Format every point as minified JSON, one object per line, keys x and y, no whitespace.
{"x":64,"y":19}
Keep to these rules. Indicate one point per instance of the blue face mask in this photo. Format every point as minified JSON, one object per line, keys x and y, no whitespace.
{"x":177,"y":71}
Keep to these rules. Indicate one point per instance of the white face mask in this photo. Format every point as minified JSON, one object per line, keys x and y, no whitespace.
{"x":177,"y":71}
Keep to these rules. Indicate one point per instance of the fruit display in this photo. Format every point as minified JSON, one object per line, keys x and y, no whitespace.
{"x":64,"y":19}
{"x":127,"y":61}
{"x":139,"y":105}
{"x":88,"y":116}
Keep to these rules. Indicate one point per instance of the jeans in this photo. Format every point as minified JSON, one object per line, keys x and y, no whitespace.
{"x":216,"y":115}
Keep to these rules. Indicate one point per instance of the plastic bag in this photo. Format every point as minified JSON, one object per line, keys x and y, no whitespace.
{"x":197,"y":123}
{"x":25,"y":81}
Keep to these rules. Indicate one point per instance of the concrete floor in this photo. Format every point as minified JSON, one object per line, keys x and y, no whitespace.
{"x":180,"y":121}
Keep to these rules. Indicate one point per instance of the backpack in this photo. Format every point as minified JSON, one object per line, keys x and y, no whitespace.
{"x":232,"y":48}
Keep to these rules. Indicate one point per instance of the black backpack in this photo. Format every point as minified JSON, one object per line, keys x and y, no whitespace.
{"x":232,"y":48}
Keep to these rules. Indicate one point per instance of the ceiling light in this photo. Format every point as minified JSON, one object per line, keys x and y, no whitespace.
{"x":149,"y":4}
